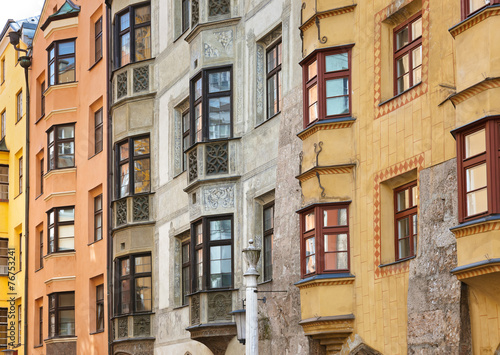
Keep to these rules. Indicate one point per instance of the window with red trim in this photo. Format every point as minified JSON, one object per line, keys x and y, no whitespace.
{"x":478,"y":151}
{"x":325,"y":239}
{"x":327,"y":81}
{"x":408,"y":54}
{"x":469,"y":7}
{"x":406,"y":222}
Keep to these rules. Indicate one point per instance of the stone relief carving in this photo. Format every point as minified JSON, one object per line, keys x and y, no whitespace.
{"x":195,"y":309}
{"x":193,"y":165}
{"x":121,"y":85}
{"x":141,"y":79}
{"x":210,"y":52}
{"x":225,"y":38}
{"x":142,"y":326}
{"x":219,"y":306}
{"x":220,"y":196}
{"x":260,"y":82}
{"x":121,"y":212}
{"x":218,"y":7}
{"x":122,"y":327}
{"x":177,"y":142}
{"x":216,"y":158}
{"x":273,"y":36}
{"x":141,"y":208}
{"x":195,"y":12}
{"x":177,"y":274}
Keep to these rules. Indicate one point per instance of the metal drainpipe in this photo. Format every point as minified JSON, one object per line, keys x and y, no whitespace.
{"x":109,"y":241}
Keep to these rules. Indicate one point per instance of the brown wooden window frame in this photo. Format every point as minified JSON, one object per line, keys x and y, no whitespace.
{"x":20,"y":166}
{"x":4,"y":322}
{"x":3,"y":124}
{"x":406,"y":50}
{"x":98,"y":202}
{"x":205,"y":246}
{"x":20,"y":251}
{"x":4,"y":256}
{"x":130,"y":160}
{"x":186,"y":142}
{"x":406,"y":213}
{"x":201,"y":133}
{"x":54,"y":309}
{"x":185,"y":15}
{"x":320,"y":80}
{"x":186,"y":271}
{"x":267,"y":243}
{"x":491,"y":157}
{"x":99,"y":308}
{"x":98,"y":131}
{"x":466,"y":8}
{"x":271,"y":73}
{"x":130,"y":30}
{"x":40,"y":260}
{"x":55,"y":58}
{"x":19,"y":106}
{"x":55,"y":145}
{"x":318,"y":232}
{"x":56,"y":226}
{"x":98,"y":40}
{"x":40,"y":325}
{"x":41,"y":175}
{"x":4,"y":196}
{"x":42,"y":99}
{"x":132,"y":276}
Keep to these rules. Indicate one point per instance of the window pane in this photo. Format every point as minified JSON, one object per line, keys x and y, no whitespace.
{"x":66,"y":214}
{"x":125,"y":267}
{"x":268,"y":218}
{"x":414,"y":196}
{"x":125,"y":296}
{"x":417,"y":57}
{"x":66,"y":132}
{"x":220,"y":266}
{"x":142,"y":264}
{"x":310,"y":264}
{"x":197,"y":89}
{"x":335,"y":242}
{"x":268,"y":257}
{"x":67,"y":300}
{"x":199,"y":269}
{"x":403,"y":200}
{"x":337,"y":105}
{"x":185,"y":122}
{"x":272,"y":59}
{"x":335,"y":217}
{"x":219,"y":117}
{"x":185,"y":284}
{"x":404,"y":248}
{"x":477,"y":4}
{"x":337,"y":87}
{"x":142,"y":14}
{"x":143,"y":294}
{"x":310,"y":222}
{"x":185,"y":253}
{"x":199,"y":233}
{"x":218,"y":82}
{"x":403,"y":228}
{"x":125,"y":48}
{"x":312,"y":70}
{"x":100,"y":317}
{"x":124,"y":21}
{"x":66,"y":155}
{"x":336,"y":62}
{"x":143,"y":43}
{"x":272,"y":95}
{"x":403,"y":83}
{"x":124,"y":151}
{"x":52,"y":73}
{"x":476,"y":177}
{"x":220,"y":230}
{"x":66,"y":48}
{"x":66,"y":322}
{"x":477,"y":202}
{"x":310,"y":246}
{"x":198,"y":123}
{"x":402,"y":38}
{"x":141,"y":146}
{"x":313,"y":99}
{"x":124,"y":180}
{"x":66,"y":70}
{"x":416,"y":29}
{"x":475,"y":143}
{"x":403,"y":65}
{"x":141,"y":176}
{"x":336,"y":261}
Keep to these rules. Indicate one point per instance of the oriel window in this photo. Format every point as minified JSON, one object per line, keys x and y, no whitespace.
{"x":134,"y":34}
{"x":61,"y":147}
{"x":133,"y":158}
{"x":62,"y":62}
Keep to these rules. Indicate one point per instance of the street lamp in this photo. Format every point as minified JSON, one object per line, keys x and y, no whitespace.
{"x":240,"y":318}
{"x":252,"y":255}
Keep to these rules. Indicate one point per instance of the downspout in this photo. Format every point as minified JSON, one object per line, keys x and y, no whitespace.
{"x":109,"y":241}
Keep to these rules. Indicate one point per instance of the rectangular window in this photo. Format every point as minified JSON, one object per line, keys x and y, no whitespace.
{"x":268,"y":236}
{"x":98,"y":40}
{"x":327,"y":78}
{"x":133,"y":156}
{"x":98,"y":218}
{"x":19,"y":104}
{"x":185,"y":15}
{"x":469,"y":7}
{"x":98,"y":132}
{"x":61,"y":222}
{"x":42,"y":99}
{"x":20,"y":251}
{"x":133,"y":28}
{"x":478,"y":159}
{"x":325,"y":239}
{"x":185,"y":137}
{"x":134,"y":284}
{"x":210,"y":105}
{"x":408,"y":54}
{"x":41,"y":175}
{"x":20,"y":166}
{"x":3,"y":70}
{"x":62,"y":62}
{"x":99,"y":297}
{"x":19,"y":324}
{"x":3,"y":127}
{"x":4,"y":183}
{"x":61,"y":144}
{"x":40,"y":247}
{"x":40,"y":326}
{"x":406,"y":221}
{"x":3,"y":328}
{"x":274,"y":80}
{"x":62,"y":314}
{"x":186,"y":271}
{"x":4,"y":257}
{"x":213,"y":241}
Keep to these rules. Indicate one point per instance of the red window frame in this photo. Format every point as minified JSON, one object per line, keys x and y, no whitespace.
{"x":320,"y":79}
{"x":466,"y":8}
{"x":406,"y":213}
{"x":491,"y":157}
{"x":318,"y":233}
{"x":406,"y":49}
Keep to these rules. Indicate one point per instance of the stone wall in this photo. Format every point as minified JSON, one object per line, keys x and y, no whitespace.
{"x":438,"y":317}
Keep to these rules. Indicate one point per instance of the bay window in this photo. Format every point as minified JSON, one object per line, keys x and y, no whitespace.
{"x":62,"y":314}
{"x":134,"y":284}
{"x":470,"y":7}
{"x":324,"y":239}
{"x":211,"y":105}
{"x":133,"y":167}
{"x":408,"y":54}
{"x":327,"y":79}
{"x":62,"y":62}
{"x":133,"y":27}
{"x":61,"y":147}
{"x":61,"y":222}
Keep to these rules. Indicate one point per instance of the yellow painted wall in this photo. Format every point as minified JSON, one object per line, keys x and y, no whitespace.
{"x":12,"y":213}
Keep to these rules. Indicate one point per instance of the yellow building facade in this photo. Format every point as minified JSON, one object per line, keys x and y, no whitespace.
{"x":400,"y":175}
{"x":12,"y":185}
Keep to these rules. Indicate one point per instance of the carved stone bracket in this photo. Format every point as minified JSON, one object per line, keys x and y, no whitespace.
{"x":215,"y":336}
{"x":219,"y":306}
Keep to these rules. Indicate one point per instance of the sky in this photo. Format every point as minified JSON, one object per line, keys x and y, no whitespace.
{"x":18,"y":10}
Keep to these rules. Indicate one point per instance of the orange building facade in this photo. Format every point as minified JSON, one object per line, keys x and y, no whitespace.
{"x":67,"y":245}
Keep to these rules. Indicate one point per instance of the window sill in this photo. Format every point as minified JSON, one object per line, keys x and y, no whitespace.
{"x":38,"y":346}
{"x":315,"y":126}
{"x":93,"y":65}
{"x":19,"y":194}
{"x":95,"y":154}
{"x":180,"y":307}
{"x":264,"y":282}
{"x":133,"y":314}
{"x":182,"y":172}
{"x":400,"y":94}
{"x":59,"y":254}
{"x":36,"y":198}
{"x":214,"y":290}
{"x":267,"y":120}
{"x":59,"y":171}
{"x":324,"y":277}
{"x":40,"y":118}
{"x":56,"y":339}
{"x":397,"y":262}
{"x":97,"y":332}
{"x":95,"y":241}
{"x":51,"y":88}
{"x":40,"y":268}
{"x":182,"y":34}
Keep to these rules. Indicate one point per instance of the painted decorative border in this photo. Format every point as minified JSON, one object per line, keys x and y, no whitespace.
{"x":474,"y":20}
{"x":326,"y":170}
{"x":325,"y":14}
{"x":475,"y":90}
{"x":392,"y":171}
{"x":417,"y":91}
{"x":477,"y":272}
{"x":476,"y":229}
{"x":323,"y":127}
{"x":345,"y":326}
{"x":325,"y":283}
